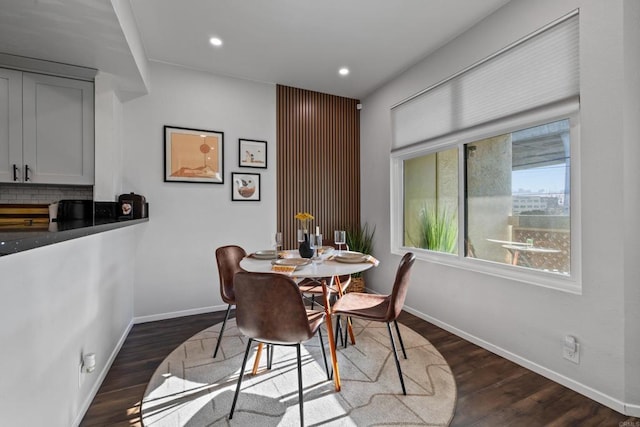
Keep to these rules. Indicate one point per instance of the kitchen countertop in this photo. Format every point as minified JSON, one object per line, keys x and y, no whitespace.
{"x":14,"y":240}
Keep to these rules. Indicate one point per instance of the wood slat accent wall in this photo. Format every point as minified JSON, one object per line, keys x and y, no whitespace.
{"x":318,"y":161}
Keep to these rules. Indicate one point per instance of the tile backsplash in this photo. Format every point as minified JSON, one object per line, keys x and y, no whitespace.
{"x":36,"y":193}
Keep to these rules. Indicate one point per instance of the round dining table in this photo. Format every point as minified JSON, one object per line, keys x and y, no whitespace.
{"x":326,"y":271}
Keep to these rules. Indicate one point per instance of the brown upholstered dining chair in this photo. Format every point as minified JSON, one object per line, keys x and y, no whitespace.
{"x":380,"y":308}
{"x":270,"y":310}
{"x":228,"y":259}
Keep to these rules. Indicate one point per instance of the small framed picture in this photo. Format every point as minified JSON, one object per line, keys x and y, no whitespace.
{"x":252,"y":153}
{"x":245,"y":187}
{"x":193,"y":155}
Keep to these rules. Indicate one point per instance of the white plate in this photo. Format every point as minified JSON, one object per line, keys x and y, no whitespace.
{"x":294,"y":262}
{"x":351,"y":257}
{"x":268,"y":254}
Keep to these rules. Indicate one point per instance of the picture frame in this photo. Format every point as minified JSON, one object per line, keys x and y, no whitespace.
{"x":252,"y":153}
{"x":193,"y":155}
{"x":245,"y":187}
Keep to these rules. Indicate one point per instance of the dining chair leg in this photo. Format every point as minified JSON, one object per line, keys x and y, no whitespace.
{"x":224,"y":323}
{"x":339,"y":333}
{"x":300,"y":400}
{"x":400,"y":339}
{"x":269,"y":355}
{"x":324,"y":355}
{"x":244,"y":364}
{"x":395,"y":355}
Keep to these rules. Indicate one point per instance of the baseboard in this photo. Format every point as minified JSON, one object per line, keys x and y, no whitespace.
{"x":632,"y":410}
{"x":103,"y":374}
{"x":181,"y":313}
{"x":591,"y":393}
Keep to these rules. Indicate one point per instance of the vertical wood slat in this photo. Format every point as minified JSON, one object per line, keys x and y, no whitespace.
{"x":318,"y":161}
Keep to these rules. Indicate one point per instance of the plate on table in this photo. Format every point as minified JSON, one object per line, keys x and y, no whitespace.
{"x":268,"y":254}
{"x":350,"y":257}
{"x":292,"y":262}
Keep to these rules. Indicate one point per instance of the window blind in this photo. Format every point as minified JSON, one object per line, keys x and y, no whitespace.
{"x":539,"y":70}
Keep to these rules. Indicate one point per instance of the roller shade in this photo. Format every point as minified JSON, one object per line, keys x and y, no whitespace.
{"x":539,"y":70}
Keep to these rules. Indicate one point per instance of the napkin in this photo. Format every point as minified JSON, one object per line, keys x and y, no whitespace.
{"x":370,"y":259}
{"x":283,"y":269}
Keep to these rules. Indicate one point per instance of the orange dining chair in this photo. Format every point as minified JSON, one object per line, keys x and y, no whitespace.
{"x":380,"y":308}
{"x":270,"y":310}
{"x":228,"y":259}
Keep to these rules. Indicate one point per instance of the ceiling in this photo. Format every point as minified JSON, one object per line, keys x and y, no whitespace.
{"x":300,"y":43}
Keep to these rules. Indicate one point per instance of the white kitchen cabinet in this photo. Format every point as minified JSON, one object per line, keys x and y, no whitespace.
{"x":10,"y":124}
{"x":51,"y":141}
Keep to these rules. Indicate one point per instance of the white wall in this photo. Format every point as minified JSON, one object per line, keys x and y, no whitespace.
{"x":108,"y":139}
{"x":176,"y":271}
{"x":524,"y":322}
{"x":632,"y":197}
{"x":58,"y":301}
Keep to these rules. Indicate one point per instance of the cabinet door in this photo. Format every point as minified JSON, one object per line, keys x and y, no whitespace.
{"x":10,"y":125}
{"x":58,"y":133}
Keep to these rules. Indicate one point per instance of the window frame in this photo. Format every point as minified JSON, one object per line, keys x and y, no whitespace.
{"x":571,"y":283}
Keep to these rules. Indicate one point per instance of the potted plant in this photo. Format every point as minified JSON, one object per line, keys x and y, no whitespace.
{"x":437,"y":230}
{"x":360,"y":239}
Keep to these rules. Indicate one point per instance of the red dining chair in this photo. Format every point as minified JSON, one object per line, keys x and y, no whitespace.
{"x":270,"y":310}
{"x":228,"y":259}
{"x":380,"y":308}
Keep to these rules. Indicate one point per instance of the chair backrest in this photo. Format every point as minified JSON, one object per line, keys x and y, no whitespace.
{"x":269,"y":308}
{"x":228,"y":259}
{"x":400,"y":286}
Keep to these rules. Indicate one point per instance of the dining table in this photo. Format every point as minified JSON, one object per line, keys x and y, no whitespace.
{"x":520,"y":251}
{"x":326,"y":269}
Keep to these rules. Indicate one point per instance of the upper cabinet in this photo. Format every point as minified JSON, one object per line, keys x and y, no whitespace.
{"x":46,"y":129}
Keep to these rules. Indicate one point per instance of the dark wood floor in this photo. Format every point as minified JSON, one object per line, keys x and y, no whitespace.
{"x":492,"y":391}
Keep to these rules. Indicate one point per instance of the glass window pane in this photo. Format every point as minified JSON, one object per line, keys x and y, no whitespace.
{"x":431,"y":201}
{"x":518,"y":198}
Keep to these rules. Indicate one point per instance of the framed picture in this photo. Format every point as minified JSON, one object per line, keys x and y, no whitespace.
{"x":252,"y":153}
{"x":193,"y":155}
{"x":245,"y":187}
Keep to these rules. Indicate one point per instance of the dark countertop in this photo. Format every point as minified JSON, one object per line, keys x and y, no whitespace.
{"x":13,"y":240}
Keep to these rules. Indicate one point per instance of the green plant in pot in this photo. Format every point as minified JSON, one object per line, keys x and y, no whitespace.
{"x":360,"y":239}
{"x":437,"y":230}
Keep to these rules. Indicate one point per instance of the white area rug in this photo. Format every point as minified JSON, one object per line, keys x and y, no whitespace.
{"x":189,"y":388}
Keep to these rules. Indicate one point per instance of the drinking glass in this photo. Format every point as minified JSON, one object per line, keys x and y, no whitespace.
{"x":317,"y":245}
{"x":300,"y":235}
{"x":340,"y":238}
{"x":278,"y":241}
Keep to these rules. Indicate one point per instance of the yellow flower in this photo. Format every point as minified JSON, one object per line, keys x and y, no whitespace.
{"x":304,"y":218}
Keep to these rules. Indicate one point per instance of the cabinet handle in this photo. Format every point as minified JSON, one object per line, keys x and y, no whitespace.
{"x":15,"y":172}
{"x":26,"y":173}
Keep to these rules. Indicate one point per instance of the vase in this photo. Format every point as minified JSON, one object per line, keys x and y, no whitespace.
{"x":305,"y":249}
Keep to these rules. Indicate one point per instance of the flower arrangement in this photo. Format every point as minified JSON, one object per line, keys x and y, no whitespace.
{"x":304,"y":218}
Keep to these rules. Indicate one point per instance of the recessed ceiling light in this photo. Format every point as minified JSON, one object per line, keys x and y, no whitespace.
{"x":215,"y":41}
{"x":343,"y":71}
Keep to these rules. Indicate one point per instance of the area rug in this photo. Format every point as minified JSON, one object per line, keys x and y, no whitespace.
{"x":190,"y":388}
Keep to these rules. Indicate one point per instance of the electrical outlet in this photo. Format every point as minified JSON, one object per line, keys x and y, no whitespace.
{"x":571,"y":349}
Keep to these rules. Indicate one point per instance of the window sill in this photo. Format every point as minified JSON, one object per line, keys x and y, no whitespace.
{"x":555,"y":281}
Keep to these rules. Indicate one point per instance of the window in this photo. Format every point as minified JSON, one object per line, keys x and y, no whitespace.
{"x":431,"y":201}
{"x":518,"y":197}
{"x":484,"y":163}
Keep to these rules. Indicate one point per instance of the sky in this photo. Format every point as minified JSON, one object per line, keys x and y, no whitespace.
{"x":550,"y":179}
